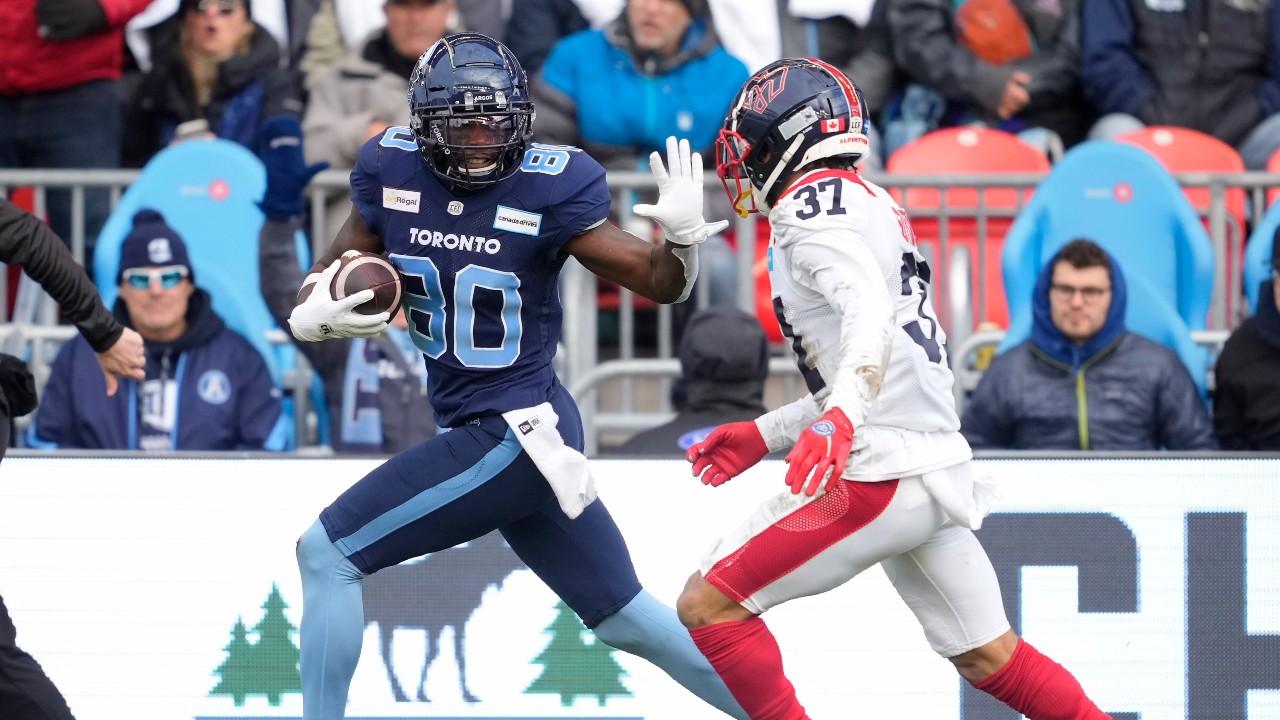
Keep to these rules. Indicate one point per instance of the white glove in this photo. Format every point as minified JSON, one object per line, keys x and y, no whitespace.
{"x":679,"y":208}
{"x":320,"y":317}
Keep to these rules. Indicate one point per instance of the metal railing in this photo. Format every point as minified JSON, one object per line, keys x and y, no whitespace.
{"x":962,"y":304}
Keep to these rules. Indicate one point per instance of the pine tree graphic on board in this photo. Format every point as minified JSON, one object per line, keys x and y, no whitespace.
{"x":574,"y":667}
{"x":266,"y":667}
{"x":275,"y":657}
{"x":236,"y":671}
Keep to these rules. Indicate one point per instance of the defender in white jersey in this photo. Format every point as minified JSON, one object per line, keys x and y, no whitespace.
{"x":878,"y":471}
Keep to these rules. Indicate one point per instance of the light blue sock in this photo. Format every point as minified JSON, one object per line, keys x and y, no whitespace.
{"x":332,"y":625}
{"x":649,"y":629}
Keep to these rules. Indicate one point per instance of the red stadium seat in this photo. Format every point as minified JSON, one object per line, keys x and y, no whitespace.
{"x":967,"y":150}
{"x":1273,"y":166}
{"x":1182,"y":150}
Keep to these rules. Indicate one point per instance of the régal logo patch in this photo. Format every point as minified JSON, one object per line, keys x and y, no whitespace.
{"x":402,"y":200}
{"x":517,"y":221}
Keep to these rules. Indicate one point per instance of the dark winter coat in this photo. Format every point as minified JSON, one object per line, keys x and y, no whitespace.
{"x":1119,"y":391}
{"x":1246,"y":400}
{"x":1206,"y":65}
{"x":249,"y":89}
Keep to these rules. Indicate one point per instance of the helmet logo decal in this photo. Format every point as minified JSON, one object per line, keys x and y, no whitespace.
{"x":834,"y":125}
{"x":765,"y":90}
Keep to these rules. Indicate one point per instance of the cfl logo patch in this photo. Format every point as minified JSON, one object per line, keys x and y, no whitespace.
{"x":825,"y":428}
{"x":530,"y":425}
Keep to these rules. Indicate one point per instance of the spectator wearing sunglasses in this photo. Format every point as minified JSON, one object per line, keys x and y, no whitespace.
{"x":1082,"y":381}
{"x":221,"y":77}
{"x":206,"y":387}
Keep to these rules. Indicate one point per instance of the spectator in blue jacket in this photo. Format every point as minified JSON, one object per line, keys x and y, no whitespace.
{"x":206,"y":387}
{"x":222,"y":77}
{"x":658,"y":70}
{"x":1211,"y":66}
{"x":1083,"y":382}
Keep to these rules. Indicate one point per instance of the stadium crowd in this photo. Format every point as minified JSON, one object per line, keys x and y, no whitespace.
{"x":112,"y":83}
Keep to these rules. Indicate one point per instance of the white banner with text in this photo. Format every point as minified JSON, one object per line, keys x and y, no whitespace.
{"x":167,"y":589}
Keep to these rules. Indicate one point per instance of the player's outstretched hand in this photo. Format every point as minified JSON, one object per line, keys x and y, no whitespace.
{"x":727,"y":452}
{"x":679,"y":207}
{"x":125,"y":358}
{"x":320,"y":317}
{"x":823,"y":446}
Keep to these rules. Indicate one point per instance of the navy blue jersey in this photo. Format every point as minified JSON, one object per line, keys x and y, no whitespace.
{"x":480,"y":270}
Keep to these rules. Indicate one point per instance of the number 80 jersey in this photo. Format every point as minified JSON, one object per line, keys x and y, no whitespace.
{"x":836,"y":207}
{"x":480,"y":270}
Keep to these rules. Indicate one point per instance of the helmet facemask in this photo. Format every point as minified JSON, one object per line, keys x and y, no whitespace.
{"x":472,"y":150}
{"x":731,"y":167}
{"x":470,"y":112}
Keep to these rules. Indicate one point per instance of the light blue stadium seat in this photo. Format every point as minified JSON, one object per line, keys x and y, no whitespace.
{"x":207,"y":191}
{"x":1121,"y":198}
{"x":1257,"y":254}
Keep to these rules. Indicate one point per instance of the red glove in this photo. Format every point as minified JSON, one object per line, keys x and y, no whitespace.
{"x":727,"y":452}
{"x":823,"y":446}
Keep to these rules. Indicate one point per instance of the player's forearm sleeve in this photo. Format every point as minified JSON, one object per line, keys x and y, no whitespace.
{"x":26,"y":241}
{"x":780,"y":428}
{"x":845,"y":272}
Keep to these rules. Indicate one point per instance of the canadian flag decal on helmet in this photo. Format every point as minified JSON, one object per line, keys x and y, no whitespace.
{"x":835,"y":125}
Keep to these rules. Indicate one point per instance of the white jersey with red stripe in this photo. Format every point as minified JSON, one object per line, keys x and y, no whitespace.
{"x":851,"y":292}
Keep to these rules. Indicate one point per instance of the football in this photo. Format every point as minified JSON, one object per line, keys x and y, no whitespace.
{"x":366,"y":271}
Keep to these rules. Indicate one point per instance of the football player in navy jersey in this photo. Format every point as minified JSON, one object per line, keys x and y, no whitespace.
{"x":479,"y":222}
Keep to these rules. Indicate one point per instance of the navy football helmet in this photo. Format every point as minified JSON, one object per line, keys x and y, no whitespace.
{"x":789,"y":114}
{"x":470,"y":110}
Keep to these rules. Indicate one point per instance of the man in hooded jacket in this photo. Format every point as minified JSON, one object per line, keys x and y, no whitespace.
{"x":206,"y":386}
{"x":1083,"y":382}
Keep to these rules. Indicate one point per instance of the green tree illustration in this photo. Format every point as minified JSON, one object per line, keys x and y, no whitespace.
{"x":236,"y":671}
{"x":275,"y":657}
{"x":267,"y":667}
{"x":574,"y":668}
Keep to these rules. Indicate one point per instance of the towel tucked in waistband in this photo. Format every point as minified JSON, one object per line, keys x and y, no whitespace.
{"x":566,"y":469}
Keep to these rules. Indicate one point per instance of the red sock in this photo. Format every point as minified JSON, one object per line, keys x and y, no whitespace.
{"x":1039,"y":688}
{"x":746,"y":656}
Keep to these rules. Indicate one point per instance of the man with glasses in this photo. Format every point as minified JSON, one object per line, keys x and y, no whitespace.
{"x":1082,"y":381}
{"x":206,"y":387}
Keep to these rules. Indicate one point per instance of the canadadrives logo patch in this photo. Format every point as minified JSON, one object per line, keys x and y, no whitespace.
{"x":401,"y":200}
{"x":517,"y":221}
